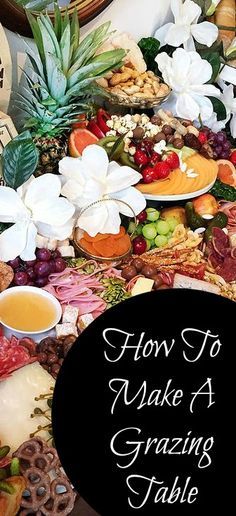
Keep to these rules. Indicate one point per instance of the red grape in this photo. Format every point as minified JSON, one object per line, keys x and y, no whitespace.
{"x":43,"y":255}
{"x":225,"y":154}
{"x":142,"y":216}
{"x":30,"y":263}
{"x":42,"y":269}
{"x":31,"y":273}
{"x":21,"y":278}
{"x":52,"y":266}
{"x":139,"y":245}
{"x":60,"y":265}
{"x":14,"y":263}
{"x":56,"y":254}
{"x":41,"y":282}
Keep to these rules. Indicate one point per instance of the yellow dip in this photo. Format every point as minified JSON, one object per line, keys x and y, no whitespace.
{"x":27,"y":311}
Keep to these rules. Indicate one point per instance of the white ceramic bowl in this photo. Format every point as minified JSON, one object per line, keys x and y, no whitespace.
{"x":35,"y":335}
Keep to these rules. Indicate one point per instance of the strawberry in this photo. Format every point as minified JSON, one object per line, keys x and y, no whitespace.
{"x":233,"y":157}
{"x":172,"y":159}
{"x":162,"y":170}
{"x":202,"y":137}
{"x":148,"y":174}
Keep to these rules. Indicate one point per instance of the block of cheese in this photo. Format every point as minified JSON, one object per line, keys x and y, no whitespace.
{"x":141,"y":286}
{"x":70,"y":314}
{"x":62,"y":330}
{"x":67,"y":251}
{"x":84,"y":321}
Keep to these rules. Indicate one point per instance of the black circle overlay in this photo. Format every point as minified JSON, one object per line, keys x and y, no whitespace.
{"x":84,"y":427}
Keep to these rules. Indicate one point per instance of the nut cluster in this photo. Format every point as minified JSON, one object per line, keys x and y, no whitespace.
{"x":130,"y":83}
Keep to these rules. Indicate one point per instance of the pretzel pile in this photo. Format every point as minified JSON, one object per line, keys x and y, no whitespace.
{"x":48,"y":491}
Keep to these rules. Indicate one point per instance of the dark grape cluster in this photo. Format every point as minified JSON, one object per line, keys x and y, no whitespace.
{"x":36,"y":272}
{"x":219,"y":143}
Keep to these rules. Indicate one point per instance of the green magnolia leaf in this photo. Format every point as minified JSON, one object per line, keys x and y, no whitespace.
{"x":219,"y":108}
{"x":214,"y":59}
{"x":19,"y":160}
{"x":150,"y":48}
{"x":231,"y":56}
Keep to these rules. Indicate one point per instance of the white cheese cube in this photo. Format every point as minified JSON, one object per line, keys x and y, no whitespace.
{"x":84,"y":321}
{"x":141,"y":286}
{"x":67,"y":250}
{"x":70,"y":314}
{"x":62,"y":330}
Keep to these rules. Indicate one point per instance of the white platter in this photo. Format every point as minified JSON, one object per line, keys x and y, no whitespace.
{"x":180,"y":197}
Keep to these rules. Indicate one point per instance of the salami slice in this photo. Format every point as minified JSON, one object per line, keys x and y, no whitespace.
{"x":12,"y":356}
{"x":215,"y":260}
{"x":228,"y":269}
{"x":220,"y":241}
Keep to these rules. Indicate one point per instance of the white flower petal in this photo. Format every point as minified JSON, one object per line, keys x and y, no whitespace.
{"x":119,"y":177}
{"x":113,"y":221}
{"x":205,"y":89}
{"x":95,"y":161}
{"x":205,"y":107}
{"x":73,"y":190}
{"x":161,"y":33}
{"x":228,"y":74}
{"x":11,"y":205}
{"x":213,"y":123}
{"x":233,"y":126}
{"x":54,"y":212}
{"x":177,"y":35}
{"x":46,"y":185}
{"x":205,"y":33}
{"x":200,"y":71}
{"x":13,"y":241}
{"x":187,"y":107}
{"x":190,"y":12}
{"x":132,"y":197}
{"x":189,"y":45}
{"x":57,"y":232}
{"x":73,"y":168}
{"x":94,"y":219}
{"x":28,"y":252}
{"x":176,"y":8}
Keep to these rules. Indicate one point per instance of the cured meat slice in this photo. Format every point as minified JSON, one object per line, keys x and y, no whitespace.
{"x":228,"y":269}
{"x":12,"y":356}
{"x":220,"y":241}
{"x":215,"y":260}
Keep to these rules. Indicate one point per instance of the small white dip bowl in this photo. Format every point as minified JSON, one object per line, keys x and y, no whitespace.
{"x":35,"y":335}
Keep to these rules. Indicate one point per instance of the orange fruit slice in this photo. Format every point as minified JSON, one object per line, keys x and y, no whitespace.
{"x":226,"y":172}
{"x":78,"y":140}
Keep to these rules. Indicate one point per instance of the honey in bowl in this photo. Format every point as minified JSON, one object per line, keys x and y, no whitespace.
{"x":27,"y":311}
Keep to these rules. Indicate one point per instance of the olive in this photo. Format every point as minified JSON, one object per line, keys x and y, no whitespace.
{"x":129,"y":272}
{"x":138,"y":263}
{"x":156,"y":120}
{"x":163,"y":287}
{"x":138,"y":133}
{"x":157,"y":281}
{"x":178,"y":143}
{"x":167,"y":130}
{"x":52,"y":358}
{"x":149,"y":270}
{"x":159,"y":136}
{"x":42,"y":358}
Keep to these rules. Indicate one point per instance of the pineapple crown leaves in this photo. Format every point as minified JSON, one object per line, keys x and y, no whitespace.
{"x":63,"y":74}
{"x":33,"y":5}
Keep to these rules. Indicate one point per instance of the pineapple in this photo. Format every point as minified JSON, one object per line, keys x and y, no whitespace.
{"x":62,"y":81}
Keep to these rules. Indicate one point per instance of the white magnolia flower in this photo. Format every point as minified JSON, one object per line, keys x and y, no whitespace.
{"x":185,"y":27}
{"x":229,"y":101}
{"x":34,"y":208}
{"x":186,"y":73}
{"x":91,"y":178}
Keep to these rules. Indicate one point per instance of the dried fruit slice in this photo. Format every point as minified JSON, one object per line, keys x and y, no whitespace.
{"x":226,"y":172}
{"x":122,"y":245}
{"x":96,"y":238}
{"x":87,"y":246}
{"x":120,"y":234}
{"x":80,"y":139}
{"x":104,"y":248}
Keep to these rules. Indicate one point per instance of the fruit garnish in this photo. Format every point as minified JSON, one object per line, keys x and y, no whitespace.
{"x":172,"y":159}
{"x":79,"y":139}
{"x":233,"y":157}
{"x":226,"y":172}
{"x":95,"y":129}
{"x":149,"y":174}
{"x":202,"y":137}
{"x":155,"y":158}
{"x":141,"y":158}
{"x":161,"y":170}
{"x":102,"y":117}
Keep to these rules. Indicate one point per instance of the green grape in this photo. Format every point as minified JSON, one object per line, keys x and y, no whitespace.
{"x":152,"y":214}
{"x":161,"y":240}
{"x":162,"y":227}
{"x":172,"y":223}
{"x":169,"y":235}
{"x":148,"y":242}
{"x":153,"y":242}
{"x":149,"y":231}
{"x":132,"y":227}
{"x":139,"y":230}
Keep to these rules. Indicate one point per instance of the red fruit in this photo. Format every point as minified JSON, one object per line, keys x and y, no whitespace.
{"x":140,"y":158}
{"x":142,"y":216}
{"x":139,"y":245}
{"x":202,"y":137}
{"x":172,"y":159}
{"x":155,"y":158}
{"x":161,"y":170}
{"x":148,"y":174}
{"x":233,"y":158}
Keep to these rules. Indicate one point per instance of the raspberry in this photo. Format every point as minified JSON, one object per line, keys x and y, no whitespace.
{"x":202,"y":137}
{"x":141,"y":158}
{"x":233,"y":158}
{"x":172,"y":159}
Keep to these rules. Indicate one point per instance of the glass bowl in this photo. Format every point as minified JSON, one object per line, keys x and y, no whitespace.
{"x":136,"y":102}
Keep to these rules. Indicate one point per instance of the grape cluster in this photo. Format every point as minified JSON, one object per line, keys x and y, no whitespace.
{"x":36,"y":272}
{"x":219,"y":143}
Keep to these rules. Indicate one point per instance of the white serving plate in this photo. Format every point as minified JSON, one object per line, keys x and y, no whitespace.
{"x":180,"y":197}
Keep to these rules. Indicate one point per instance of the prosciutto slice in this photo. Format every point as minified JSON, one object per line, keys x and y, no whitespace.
{"x":229,"y":208}
{"x":13,"y":356}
